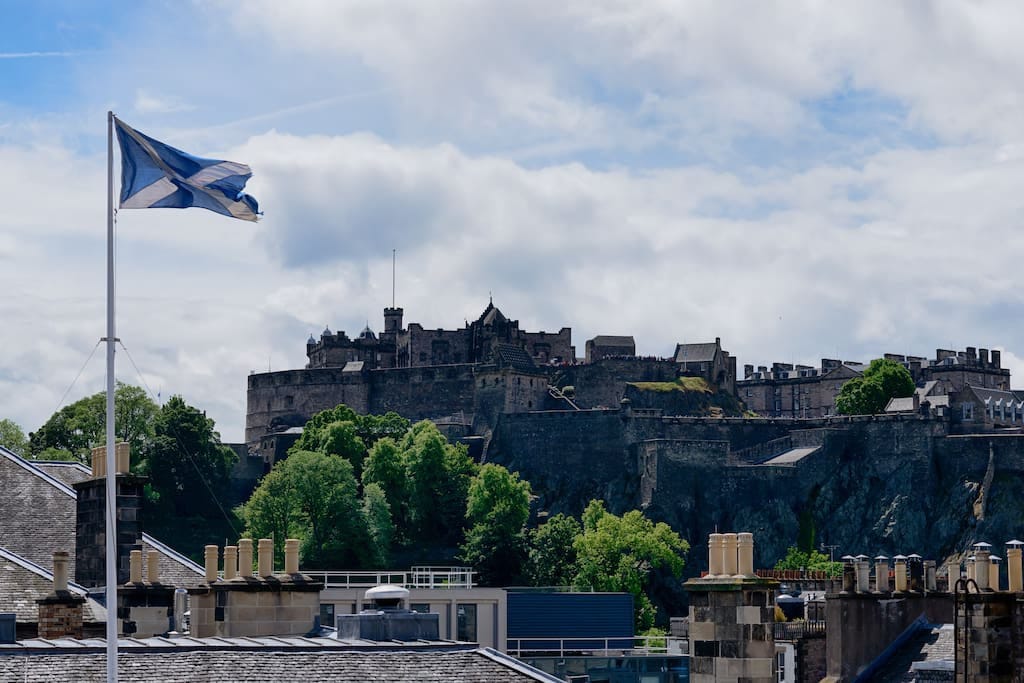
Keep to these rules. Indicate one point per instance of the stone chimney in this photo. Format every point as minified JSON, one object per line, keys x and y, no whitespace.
{"x":91,"y":529}
{"x":731,"y":615}
{"x":251,"y":606}
{"x":60,"y":612}
{"x":144,"y":608}
{"x":997,"y":358}
{"x":882,"y":574}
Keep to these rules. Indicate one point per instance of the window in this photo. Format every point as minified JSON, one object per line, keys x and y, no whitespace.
{"x":421,"y":607}
{"x":466,"y":629}
{"x":326,"y":614}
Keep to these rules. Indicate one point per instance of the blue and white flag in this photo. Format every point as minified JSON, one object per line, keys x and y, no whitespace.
{"x":156,"y":176}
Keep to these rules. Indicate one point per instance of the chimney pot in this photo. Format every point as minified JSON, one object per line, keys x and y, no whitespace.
{"x":245,"y":557}
{"x":99,"y":459}
{"x":153,"y":566}
{"x":863,"y":576}
{"x":291,"y":556}
{"x":729,"y":557}
{"x":981,"y":569}
{"x":1013,"y":568}
{"x":135,"y":566}
{"x":900,"y":572}
{"x":60,"y":571}
{"x":121,"y":454}
{"x":745,"y":542}
{"x":882,"y":574}
{"x":230,"y":561}
{"x":211,"y":563}
{"x":716,"y":545}
{"x":265,"y":558}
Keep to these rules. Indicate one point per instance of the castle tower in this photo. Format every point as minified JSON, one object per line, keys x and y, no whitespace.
{"x":393,"y":319}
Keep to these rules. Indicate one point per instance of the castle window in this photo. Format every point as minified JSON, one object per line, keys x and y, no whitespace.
{"x":289,"y":401}
{"x":529,"y":404}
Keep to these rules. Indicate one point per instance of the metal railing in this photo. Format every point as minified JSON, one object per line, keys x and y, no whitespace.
{"x":439,"y":578}
{"x":794,"y":630}
{"x":636,"y":646}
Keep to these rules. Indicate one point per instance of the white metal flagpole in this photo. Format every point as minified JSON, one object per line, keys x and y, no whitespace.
{"x":111,"y":458}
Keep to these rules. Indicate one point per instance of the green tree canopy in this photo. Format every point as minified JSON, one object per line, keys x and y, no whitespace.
{"x":552,"y":556}
{"x":497,"y":509}
{"x":73,"y":431}
{"x":813,"y":561}
{"x":188,"y":467}
{"x":869,"y":393}
{"x":619,"y":554}
{"x":13,"y":438}
{"x":312,"y":496}
{"x":438,"y":474}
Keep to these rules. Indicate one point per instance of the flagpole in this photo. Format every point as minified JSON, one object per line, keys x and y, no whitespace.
{"x":111,"y":457}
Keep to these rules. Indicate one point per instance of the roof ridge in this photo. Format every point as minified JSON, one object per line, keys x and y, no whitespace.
{"x":517,"y":665}
{"x":172,"y":553}
{"x":26,"y":464}
{"x":36,"y":569}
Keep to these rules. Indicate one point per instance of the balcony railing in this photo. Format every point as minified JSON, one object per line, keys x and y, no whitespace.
{"x":635,"y":646}
{"x":439,"y":578}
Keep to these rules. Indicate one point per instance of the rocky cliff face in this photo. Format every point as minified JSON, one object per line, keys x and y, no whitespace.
{"x":867,"y":485}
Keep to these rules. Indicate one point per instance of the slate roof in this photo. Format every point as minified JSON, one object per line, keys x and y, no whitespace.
{"x":23,"y":582}
{"x":491,"y":315}
{"x":613,"y":340}
{"x":932,"y":644}
{"x":510,"y":355}
{"x":38,"y":510}
{"x":696,"y":353}
{"x":398,"y":665}
{"x":68,"y":472}
{"x":175,"y":568}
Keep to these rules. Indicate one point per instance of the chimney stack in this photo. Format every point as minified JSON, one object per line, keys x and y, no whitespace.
{"x":90,"y":510}
{"x":863,"y":576}
{"x":60,"y":612}
{"x":993,"y":572}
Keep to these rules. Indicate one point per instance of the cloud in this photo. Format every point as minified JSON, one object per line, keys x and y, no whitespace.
{"x":147,"y":102}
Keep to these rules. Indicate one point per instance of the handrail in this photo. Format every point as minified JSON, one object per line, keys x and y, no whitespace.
{"x":435,"y":578}
{"x":643,"y":646}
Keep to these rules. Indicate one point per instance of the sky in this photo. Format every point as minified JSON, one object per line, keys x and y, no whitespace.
{"x":804,"y":180}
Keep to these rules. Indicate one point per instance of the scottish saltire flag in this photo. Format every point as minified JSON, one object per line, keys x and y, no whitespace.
{"x":155,"y":176}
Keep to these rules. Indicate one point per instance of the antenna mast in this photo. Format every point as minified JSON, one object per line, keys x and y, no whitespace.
{"x":393,"y":259}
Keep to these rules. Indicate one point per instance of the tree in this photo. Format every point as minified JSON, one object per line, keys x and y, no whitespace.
{"x":188,"y":467}
{"x":552,"y":558}
{"x":379,"y":527}
{"x":74,"y":430}
{"x":438,"y":474}
{"x":312,"y":497}
{"x":619,"y":554}
{"x":497,"y":508}
{"x":870,"y":392}
{"x":13,"y":438}
{"x":384,"y":468}
{"x":812,"y":561}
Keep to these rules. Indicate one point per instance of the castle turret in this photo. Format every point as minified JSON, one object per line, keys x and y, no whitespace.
{"x":393,"y":319}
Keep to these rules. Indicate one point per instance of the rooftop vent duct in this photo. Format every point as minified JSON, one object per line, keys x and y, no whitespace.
{"x":387,"y":619}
